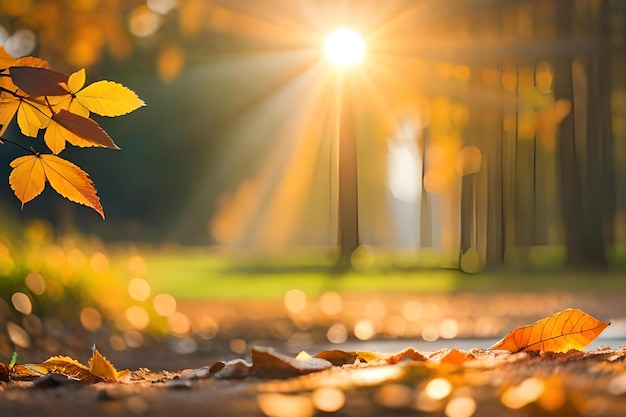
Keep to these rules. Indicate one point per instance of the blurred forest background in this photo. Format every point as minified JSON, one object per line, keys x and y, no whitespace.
{"x":488,"y":132}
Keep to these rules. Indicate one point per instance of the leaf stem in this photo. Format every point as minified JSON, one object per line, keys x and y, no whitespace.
{"x":30,"y":150}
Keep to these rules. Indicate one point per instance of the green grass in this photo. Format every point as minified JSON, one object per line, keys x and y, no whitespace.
{"x":201,"y":274}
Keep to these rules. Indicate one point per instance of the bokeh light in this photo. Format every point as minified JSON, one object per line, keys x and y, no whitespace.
{"x":430,"y":332}
{"x":394,"y":396}
{"x":284,"y":405}
{"x":133,"y":339}
{"x":617,"y":385}
{"x":162,"y":7}
{"x":460,"y":407}
{"x":138,"y":317}
{"x":117,"y":343}
{"x":143,"y":22}
{"x":21,"y":302}
{"x":18,"y":335}
{"x":364,"y":330}
{"x":32,"y":324}
{"x":337,"y":333}
{"x":412,"y":310}
{"x":238,"y":346}
{"x":438,"y":388}
{"x":137,"y":265}
{"x":21,"y":43}
{"x":179,"y":324}
{"x":35,"y":283}
{"x":205,"y":326}
{"x":331,"y":303}
{"x":99,"y":262}
{"x":517,"y":396}
{"x":164,"y":304}
{"x":138,"y":289}
{"x":448,"y":329}
{"x":295,"y":300}
{"x":90,"y":318}
{"x":328,"y":400}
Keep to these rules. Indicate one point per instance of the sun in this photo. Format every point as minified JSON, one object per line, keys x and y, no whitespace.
{"x":344,"y":47}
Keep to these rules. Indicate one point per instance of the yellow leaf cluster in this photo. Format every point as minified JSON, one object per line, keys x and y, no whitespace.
{"x":40,"y":98}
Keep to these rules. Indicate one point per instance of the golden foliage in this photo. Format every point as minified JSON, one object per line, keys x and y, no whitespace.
{"x":563,"y":331}
{"x":45,"y":99}
{"x":30,"y":173}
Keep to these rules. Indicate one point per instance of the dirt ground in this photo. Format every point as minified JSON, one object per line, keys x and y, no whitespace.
{"x":575,"y":384}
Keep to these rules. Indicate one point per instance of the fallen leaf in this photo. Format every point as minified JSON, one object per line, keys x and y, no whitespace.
{"x":237,"y":368}
{"x":4,"y":370}
{"x":454,"y":357}
{"x":408,"y":354}
{"x":563,"y":331}
{"x":338,"y":357}
{"x":28,"y":371}
{"x":101,"y":368}
{"x":30,"y":173}
{"x":267,"y":363}
{"x":68,"y":367}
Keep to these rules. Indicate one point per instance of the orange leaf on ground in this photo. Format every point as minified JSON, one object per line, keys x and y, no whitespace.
{"x":408,"y":354}
{"x":30,"y":173}
{"x":100,"y":367}
{"x":452,"y":356}
{"x":27,"y":371}
{"x":68,"y":367}
{"x":267,"y":363}
{"x":563,"y":331}
{"x":4,"y":370}
{"x":338,"y":357}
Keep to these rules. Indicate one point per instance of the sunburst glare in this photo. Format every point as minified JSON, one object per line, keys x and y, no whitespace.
{"x":344,"y":47}
{"x":276,"y":181}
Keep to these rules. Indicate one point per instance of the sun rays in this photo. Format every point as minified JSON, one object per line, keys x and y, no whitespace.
{"x":282,"y":128}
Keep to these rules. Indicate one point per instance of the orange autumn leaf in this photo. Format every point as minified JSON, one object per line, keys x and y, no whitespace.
{"x":6,"y":60}
{"x":28,"y":371}
{"x":100,"y":367}
{"x":30,"y":173}
{"x":77,"y":130}
{"x":68,"y":367}
{"x":563,"y":331}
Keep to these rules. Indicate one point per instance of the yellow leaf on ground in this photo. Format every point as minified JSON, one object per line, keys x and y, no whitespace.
{"x":563,"y":331}
{"x":101,"y":368}
{"x":28,"y":371}
{"x":30,"y":173}
{"x":68,"y":367}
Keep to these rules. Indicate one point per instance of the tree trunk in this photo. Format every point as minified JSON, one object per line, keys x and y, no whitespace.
{"x":586,"y":178}
{"x":348,"y":181}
